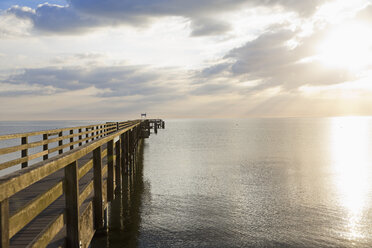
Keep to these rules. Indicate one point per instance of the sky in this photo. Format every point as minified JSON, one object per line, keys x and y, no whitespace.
{"x":115,"y":59}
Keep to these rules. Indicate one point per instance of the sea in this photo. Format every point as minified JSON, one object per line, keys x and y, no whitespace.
{"x":259,"y":182}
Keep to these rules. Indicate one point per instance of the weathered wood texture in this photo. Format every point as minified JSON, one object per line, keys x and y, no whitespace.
{"x":61,"y":200}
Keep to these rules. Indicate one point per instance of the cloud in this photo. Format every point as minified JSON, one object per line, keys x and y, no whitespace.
{"x":205,"y":15}
{"x":114,"y":81}
{"x":272,"y":60}
{"x":55,"y":19}
{"x":120,"y":8}
{"x":81,"y":92}
{"x":11,"y":26}
{"x":204,"y":27}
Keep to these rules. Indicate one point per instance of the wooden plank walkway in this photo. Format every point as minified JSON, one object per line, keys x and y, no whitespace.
{"x":36,"y":226}
{"x":60,"y":202}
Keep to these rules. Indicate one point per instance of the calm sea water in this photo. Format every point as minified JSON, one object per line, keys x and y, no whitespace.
{"x":249,"y":183}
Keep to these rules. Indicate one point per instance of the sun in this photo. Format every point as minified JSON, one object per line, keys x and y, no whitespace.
{"x":347,"y":46}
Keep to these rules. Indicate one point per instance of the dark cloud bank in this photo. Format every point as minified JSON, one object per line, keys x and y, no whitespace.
{"x":81,"y":15}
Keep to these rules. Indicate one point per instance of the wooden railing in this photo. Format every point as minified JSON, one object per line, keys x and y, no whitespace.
{"x":115,"y":142}
{"x":59,"y":139}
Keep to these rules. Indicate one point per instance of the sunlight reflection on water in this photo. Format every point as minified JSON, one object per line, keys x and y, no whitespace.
{"x":351,"y":162}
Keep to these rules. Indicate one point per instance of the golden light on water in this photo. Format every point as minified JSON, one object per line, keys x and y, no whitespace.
{"x":351,"y":167}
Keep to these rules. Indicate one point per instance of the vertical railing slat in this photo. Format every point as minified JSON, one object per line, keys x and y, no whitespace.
{"x":80,"y":137}
{"x":71,"y":139}
{"x":45,"y":147}
{"x":60,"y":143}
{"x":87,"y":135}
{"x":24,"y":152}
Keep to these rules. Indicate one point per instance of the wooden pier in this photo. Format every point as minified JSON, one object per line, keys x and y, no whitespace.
{"x":62,"y":200}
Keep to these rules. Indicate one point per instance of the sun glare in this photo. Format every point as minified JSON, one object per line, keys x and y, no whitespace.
{"x":347,"y":46}
{"x":351,"y":159}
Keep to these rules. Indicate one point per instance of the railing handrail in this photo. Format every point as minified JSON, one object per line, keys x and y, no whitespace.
{"x":15,"y":182}
{"x":54,"y":131}
{"x":74,"y":138}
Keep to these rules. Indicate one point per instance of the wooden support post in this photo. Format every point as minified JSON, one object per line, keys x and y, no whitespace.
{"x":110,"y":170}
{"x":45,"y":147}
{"x":117,"y":164}
{"x":163,"y":124}
{"x":4,"y":223}
{"x":132,"y":143}
{"x":80,"y":137}
{"x":155,"y":127}
{"x":135,"y":130}
{"x":127,"y":147}
{"x":129,"y":151}
{"x":124,"y":152}
{"x":24,"y":152}
{"x":60,"y":142}
{"x":123,"y":164}
{"x":72,"y":205}
{"x":97,"y":184}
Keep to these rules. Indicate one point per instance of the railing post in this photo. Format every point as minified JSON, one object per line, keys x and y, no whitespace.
{"x":72,"y":205}
{"x":110,"y":170}
{"x":45,"y":147}
{"x":117,"y":126}
{"x":71,"y":139}
{"x":4,"y":223}
{"x":60,"y":142}
{"x":97,"y":184}
{"x":117,"y":164}
{"x":80,"y":137}
{"x":92,"y":134}
{"x":24,"y":152}
{"x":86,"y":135}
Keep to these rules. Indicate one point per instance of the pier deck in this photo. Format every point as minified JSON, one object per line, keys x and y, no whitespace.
{"x":62,"y":200}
